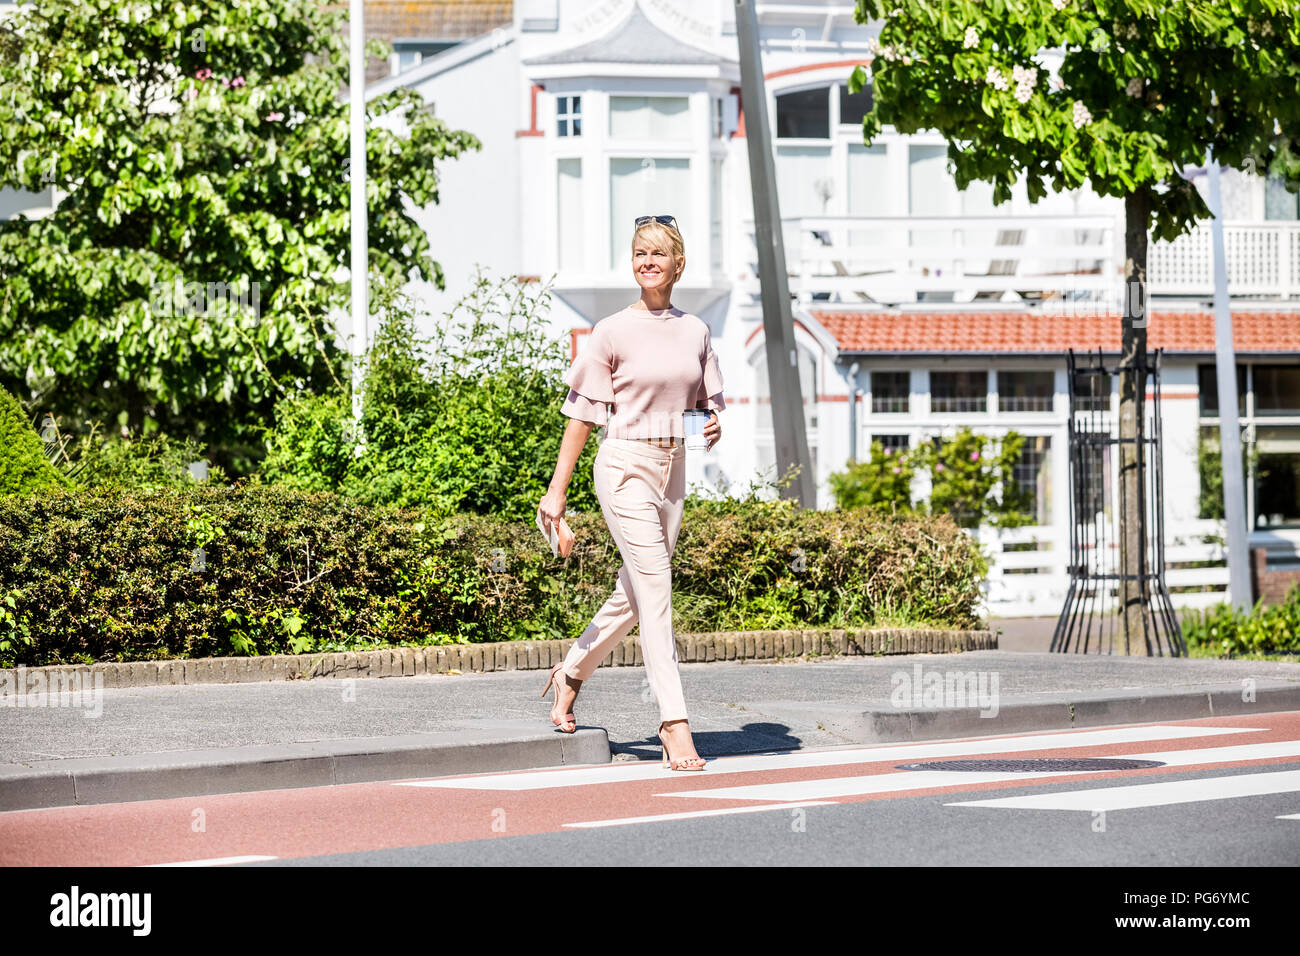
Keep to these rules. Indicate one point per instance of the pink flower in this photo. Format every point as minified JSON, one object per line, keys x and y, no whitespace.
{"x":237,"y":81}
{"x":938,"y":467}
{"x":191,"y":93}
{"x":203,"y":74}
{"x":898,"y":471}
{"x":974,"y":456}
{"x":274,"y":117}
{"x":889,"y":451}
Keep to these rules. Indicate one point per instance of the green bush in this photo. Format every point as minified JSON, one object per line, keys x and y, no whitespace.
{"x":467,"y":420}
{"x":24,"y":469}
{"x":1223,"y":630}
{"x":971,"y":478}
{"x":119,"y":575}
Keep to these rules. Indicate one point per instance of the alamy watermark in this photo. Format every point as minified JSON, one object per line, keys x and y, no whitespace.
{"x":177,"y":298}
{"x":945,"y":689}
{"x":20,"y":688}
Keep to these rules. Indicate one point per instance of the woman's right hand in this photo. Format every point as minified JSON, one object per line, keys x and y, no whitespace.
{"x":552,"y":507}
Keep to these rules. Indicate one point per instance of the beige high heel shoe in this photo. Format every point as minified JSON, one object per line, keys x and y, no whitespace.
{"x":551,"y":681}
{"x":687,"y":763}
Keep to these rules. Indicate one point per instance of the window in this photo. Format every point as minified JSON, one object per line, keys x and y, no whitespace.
{"x":649,"y":117}
{"x":569,"y":213}
{"x":1277,"y":389}
{"x":892,"y":444}
{"x":890,"y":392}
{"x":568,"y":115}
{"x":1267,"y":395}
{"x":1025,"y":391}
{"x":1032,"y":474}
{"x":854,"y":106}
{"x":1092,"y":392}
{"x":959,"y":392}
{"x":1207,"y":379}
{"x":804,"y":114}
{"x":1277,"y":477}
{"x":644,"y":187}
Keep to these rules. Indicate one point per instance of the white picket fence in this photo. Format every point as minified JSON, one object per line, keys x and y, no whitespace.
{"x":1033,"y":582}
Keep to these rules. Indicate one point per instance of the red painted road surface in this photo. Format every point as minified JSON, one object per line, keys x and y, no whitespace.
{"x":288,"y":824}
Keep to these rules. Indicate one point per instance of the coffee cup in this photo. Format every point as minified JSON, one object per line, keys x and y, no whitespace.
{"x":693,"y":421}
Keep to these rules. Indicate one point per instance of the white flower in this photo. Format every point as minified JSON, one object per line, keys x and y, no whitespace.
{"x":1081,"y":115}
{"x":1134,"y":87}
{"x":1060,"y":4}
{"x":1025,"y":78}
{"x":972,"y":38}
{"x":995,"y":79}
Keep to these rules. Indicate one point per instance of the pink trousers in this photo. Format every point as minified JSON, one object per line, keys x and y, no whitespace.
{"x":640,"y":488}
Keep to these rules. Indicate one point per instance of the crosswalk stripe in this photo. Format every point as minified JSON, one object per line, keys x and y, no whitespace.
{"x":893,"y":782}
{"x":693,"y":814}
{"x":1151,"y":794}
{"x":217,"y":861}
{"x":800,"y":759}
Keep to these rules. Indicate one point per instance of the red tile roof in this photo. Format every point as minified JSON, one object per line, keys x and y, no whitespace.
{"x":1004,"y":332}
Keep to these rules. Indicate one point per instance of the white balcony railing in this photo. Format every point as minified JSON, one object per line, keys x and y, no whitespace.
{"x":1073,"y":260}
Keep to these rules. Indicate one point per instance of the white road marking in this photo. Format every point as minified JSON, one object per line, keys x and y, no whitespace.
{"x":217,"y":861}
{"x":1152,"y":794}
{"x":692,"y":814}
{"x":896,"y":781}
{"x":799,"y":759}
{"x":1290,"y":816}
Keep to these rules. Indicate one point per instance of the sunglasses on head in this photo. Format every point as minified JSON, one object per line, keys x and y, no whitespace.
{"x":662,"y":220}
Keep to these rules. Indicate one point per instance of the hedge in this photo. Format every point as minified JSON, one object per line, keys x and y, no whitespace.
{"x":253,"y":569}
{"x":1223,"y":630}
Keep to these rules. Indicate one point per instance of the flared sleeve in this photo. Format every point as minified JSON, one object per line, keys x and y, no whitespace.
{"x":590,"y":381}
{"x":710,"y":393}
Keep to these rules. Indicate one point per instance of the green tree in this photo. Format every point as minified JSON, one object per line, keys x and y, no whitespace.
{"x":466,"y":421}
{"x":972,"y":478}
{"x":1143,"y":90}
{"x":882,"y":482}
{"x":196,"y":149}
{"x":24,"y":469}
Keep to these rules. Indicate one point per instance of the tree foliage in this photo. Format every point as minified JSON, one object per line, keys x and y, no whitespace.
{"x":1143,"y":89}
{"x":195,"y":148}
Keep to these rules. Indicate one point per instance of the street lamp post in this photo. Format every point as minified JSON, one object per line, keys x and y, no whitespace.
{"x":788,"y":426}
{"x":359,"y":266}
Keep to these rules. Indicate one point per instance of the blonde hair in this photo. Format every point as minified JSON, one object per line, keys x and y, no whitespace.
{"x":660,"y":234}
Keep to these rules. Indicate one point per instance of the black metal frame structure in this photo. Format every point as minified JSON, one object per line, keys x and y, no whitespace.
{"x":1092,"y":617}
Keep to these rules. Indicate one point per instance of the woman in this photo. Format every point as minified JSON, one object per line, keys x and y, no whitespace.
{"x":642,"y":367}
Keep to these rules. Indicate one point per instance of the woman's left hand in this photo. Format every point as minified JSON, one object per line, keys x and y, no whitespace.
{"x":712,"y":430}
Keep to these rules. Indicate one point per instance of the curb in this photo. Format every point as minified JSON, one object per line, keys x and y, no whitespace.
{"x":196,"y":773}
{"x":1046,"y":713}
{"x":483,"y":658}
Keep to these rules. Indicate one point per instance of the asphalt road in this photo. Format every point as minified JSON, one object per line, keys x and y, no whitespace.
{"x":1223,"y":791}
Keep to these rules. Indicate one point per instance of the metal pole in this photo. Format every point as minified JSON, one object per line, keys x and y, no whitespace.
{"x":788,"y":424}
{"x":1225,"y":360}
{"x":360,"y":259}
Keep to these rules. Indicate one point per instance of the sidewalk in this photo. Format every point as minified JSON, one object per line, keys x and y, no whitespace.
{"x":185,"y":740}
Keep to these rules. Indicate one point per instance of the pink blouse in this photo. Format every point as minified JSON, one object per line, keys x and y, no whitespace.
{"x":639,"y":370}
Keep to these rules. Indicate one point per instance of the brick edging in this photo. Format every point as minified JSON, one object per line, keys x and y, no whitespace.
{"x":501,"y":656}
